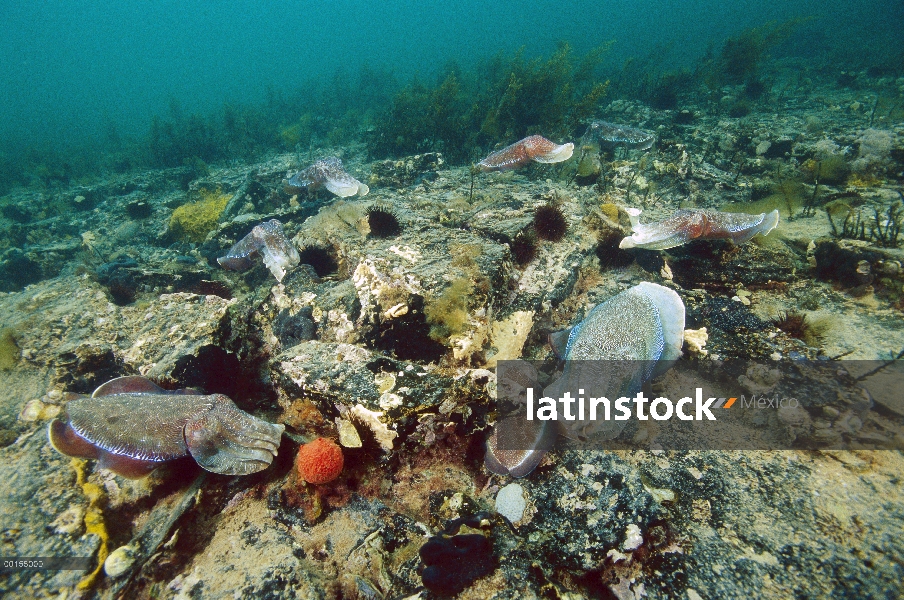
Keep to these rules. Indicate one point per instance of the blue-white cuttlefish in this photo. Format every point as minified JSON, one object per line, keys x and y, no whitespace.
{"x":621,"y":344}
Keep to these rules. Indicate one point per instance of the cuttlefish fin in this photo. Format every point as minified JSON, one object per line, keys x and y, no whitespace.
{"x":126,"y":466}
{"x":131,"y":384}
{"x":66,"y":441}
{"x":558,"y":340}
{"x":768,"y":223}
{"x":633,"y":215}
{"x":345,"y":185}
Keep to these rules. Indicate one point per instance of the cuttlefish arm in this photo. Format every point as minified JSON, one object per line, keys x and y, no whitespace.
{"x":229,"y":441}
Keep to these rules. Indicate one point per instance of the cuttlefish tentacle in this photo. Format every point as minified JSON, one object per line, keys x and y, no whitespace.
{"x":700,"y":224}
{"x":532,"y":148}
{"x":131,"y":426}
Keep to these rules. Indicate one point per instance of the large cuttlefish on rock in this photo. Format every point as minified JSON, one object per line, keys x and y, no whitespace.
{"x":619,"y":346}
{"x":534,"y":148}
{"x":131,"y":426}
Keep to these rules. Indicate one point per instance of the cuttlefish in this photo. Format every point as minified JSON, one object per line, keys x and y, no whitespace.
{"x":698,"y":224}
{"x":534,"y":148}
{"x":611,"y":135}
{"x":131,"y":426}
{"x":619,"y":346}
{"x":328,"y":173}
{"x":267,"y":240}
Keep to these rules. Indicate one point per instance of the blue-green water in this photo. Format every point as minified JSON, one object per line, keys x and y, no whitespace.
{"x":71,"y":71}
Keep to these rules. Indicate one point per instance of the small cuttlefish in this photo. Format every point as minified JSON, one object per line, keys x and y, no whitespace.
{"x":131,"y":426}
{"x":697,"y":224}
{"x":534,"y":148}
{"x":328,"y":173}
{"x":267,"y":240}
{"x":610,"y":135}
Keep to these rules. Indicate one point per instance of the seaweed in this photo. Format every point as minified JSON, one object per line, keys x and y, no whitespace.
{"x":882,"y":227}
{"x":831,"y":170}
{"x":447,"y":313}
{"x":9,"y":349}
{"x":741,"y":55}
{"x":663,"y":91}
{"x":506,"y":98}
{"x":195,"y":220}
{"x":790,"y":192}
{"x":177,"y":138}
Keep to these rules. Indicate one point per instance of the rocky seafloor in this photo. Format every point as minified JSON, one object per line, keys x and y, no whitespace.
{"x":396,"y":338}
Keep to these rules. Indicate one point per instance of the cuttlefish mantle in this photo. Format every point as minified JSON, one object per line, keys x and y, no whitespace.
{"x":534,"y":148}
{"x":328,"y":173}
{"x":621,"y":344}
{"x":698,"y":224}
{"x":131,"y":426}
{"x":267,"y":240}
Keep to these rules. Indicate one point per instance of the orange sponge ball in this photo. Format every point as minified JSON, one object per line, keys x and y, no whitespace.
{"x":319,"y":461}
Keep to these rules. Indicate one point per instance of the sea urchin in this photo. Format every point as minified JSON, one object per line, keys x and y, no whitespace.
{"x":524,"y":249}
{"x":550,"y":223}
{"x":383,"y":222}
{"x":797,"y":325}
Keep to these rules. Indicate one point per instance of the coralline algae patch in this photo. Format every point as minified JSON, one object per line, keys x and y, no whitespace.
{"x":510,"y":502}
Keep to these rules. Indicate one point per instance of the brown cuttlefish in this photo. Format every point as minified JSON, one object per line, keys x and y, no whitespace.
{"x":131,"y":426}
{"x":534,"y":148}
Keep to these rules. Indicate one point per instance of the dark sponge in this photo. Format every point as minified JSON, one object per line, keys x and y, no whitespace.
{"x":453,"y":562}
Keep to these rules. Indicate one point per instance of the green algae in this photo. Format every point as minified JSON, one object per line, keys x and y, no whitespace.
{"x":9,"y":349}
{"x":507,"y":98}
{"x":447,"y":313}
{"x":195,"y":220}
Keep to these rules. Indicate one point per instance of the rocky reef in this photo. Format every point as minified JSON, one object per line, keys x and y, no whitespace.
{"x":385,"y":338}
